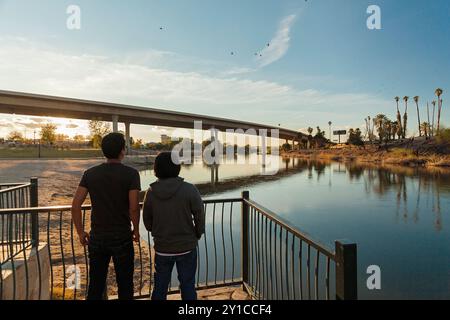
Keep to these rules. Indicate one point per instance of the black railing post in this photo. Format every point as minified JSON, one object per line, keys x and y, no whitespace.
{"x":346,"y":270}
{"x":245,"y":237}
{"x":34,"y":203}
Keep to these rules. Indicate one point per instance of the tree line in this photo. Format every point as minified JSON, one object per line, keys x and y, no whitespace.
{"x":382,"y":128}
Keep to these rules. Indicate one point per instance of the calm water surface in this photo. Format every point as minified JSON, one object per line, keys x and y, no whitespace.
{"x":399,"y":217}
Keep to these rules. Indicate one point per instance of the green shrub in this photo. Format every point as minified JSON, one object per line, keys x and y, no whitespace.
{"x":444,"y":135}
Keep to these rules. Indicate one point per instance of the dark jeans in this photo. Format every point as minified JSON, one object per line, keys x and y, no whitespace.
{"x":101,"y":249}
{"x":186,"y":268}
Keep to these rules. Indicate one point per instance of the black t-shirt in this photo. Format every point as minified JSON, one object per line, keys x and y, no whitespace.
{"x":109,"y":185}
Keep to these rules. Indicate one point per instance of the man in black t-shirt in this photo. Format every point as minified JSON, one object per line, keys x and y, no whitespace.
{"x":114,"y":192}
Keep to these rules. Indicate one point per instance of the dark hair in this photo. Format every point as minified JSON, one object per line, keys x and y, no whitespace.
{"x":113,"y":144}
{"x":164,"y":166}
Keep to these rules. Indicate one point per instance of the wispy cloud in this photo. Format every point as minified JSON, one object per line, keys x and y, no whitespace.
{"x":279,"y":45}
{"x":238,"y":70}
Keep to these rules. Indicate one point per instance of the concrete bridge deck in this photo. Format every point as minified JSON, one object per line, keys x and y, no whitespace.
{"x":51,"y":106}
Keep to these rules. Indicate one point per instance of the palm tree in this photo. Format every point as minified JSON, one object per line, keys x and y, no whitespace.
{"x":432,"y":124}
{"x":416,"y":100}
{"x":399,"y":119}
{"x":387,"y":130}
{"x":438,"y":93}
{"x":425,"y":128}
{"x":374,"y":123}
{"x":397,"y":99}
{"x":428,"y":117}
{"x":405,"y":116}
{"x":394,"y":128}
{"x":380,"y":123}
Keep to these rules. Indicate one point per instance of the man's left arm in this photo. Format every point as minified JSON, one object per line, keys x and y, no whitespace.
{"x":135,"y":212}
{"x":135,"y":208}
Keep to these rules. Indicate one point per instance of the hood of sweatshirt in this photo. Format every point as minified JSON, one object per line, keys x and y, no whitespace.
{"x":167,"y":188}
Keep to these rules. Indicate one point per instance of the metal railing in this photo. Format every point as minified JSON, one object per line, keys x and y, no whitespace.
{"x":281,"y":262}
{"x":17,"y":230}
{"x":69,"y":261}
{"x":244,"y":244}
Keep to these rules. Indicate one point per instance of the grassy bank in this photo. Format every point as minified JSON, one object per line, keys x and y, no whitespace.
{"x":419,"y":153}
{"x":48,"y":153}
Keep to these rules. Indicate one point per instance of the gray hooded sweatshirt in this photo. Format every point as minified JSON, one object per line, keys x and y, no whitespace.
{"x":174,"y":214}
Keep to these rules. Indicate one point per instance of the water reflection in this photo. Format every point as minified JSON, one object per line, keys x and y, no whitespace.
{"x":226,"y":176}
{"x":379,"y":180}
{"x":384,"y":180}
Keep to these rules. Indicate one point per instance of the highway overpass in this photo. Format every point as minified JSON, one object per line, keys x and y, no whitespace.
{"x":50,"y":106}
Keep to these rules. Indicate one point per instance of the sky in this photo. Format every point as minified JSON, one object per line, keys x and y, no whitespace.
{"x":294,"y":63}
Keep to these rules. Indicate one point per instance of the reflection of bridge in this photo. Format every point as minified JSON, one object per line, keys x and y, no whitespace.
{"x":49,"y":106}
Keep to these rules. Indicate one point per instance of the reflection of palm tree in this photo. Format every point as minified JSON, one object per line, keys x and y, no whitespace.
{"x":439,"y":92}
{"x":416,"y":100}
{"x":438,"y":223}
{"x":416,"y":212}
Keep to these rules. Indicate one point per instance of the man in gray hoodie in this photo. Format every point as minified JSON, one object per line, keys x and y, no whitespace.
{"x":174,"y":214}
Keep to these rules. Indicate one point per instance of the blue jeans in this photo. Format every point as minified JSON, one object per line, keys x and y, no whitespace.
{"x":186,"y":268}
{"x":101,"y":249}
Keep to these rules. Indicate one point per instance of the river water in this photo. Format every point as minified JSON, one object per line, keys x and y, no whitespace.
{"x":399,"y":217}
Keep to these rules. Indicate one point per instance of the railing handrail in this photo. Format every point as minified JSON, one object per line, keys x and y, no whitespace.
{"x":89,"y":206}
{"x":15,"y":187}
{"x":283,"y":223}
{"x":13,"y":184}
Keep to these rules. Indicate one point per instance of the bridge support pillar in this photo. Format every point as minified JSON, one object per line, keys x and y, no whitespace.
{"x":115,"y":123}
{"x":127,"y":138}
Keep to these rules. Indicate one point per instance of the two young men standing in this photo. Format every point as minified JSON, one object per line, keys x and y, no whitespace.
{"x":173,"y":213}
